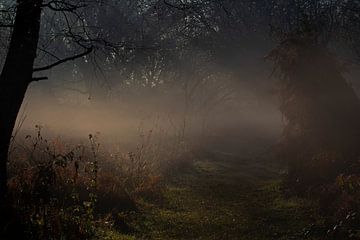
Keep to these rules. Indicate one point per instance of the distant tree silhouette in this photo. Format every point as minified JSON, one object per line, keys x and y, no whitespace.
{"x":321,"y":109}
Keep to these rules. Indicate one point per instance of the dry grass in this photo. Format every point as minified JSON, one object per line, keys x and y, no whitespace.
{"x":62,"y":190}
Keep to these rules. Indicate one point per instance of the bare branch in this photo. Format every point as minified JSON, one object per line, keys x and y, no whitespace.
{"x":36,"y":79}
{"x":6,"y":25}
{"x":182,"y":8}
{"x":74,"y":57}
{"x":63,"y":6}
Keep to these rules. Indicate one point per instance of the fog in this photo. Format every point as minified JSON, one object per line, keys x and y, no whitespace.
{"x":249,"y":113}
{"x":248,"y":118}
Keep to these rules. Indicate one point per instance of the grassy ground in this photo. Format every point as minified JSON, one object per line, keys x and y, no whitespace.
{"x":220,"y":196}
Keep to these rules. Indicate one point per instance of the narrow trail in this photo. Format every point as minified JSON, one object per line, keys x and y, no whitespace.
{"x":221,"y":196}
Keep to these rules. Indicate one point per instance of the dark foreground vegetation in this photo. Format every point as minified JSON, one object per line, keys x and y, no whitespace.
{"x":79,"y":193}
{"x":64,"y":191}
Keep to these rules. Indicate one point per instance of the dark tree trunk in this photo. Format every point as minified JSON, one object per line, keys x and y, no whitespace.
{"x":16,"y":76}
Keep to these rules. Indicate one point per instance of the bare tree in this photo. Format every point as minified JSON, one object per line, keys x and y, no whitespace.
{"x":34,"y":26}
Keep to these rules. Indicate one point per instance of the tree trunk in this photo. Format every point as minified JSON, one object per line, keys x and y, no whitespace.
{"x":16,"y":76}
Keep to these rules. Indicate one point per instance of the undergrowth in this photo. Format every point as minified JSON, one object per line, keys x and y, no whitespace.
{"x":61,"y":190}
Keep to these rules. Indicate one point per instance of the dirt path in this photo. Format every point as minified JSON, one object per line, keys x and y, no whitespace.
{"x":221,"y":196}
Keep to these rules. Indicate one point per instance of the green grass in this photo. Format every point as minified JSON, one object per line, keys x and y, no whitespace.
{"x":222,"y":197}
{"x":107,"y":234}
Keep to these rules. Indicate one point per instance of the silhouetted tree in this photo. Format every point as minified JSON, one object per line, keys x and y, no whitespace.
{"x":321,"y":109}
{"x":68,"y":26}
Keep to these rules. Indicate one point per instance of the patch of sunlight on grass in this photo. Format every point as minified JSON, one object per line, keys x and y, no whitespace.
{"x":292,"y":203}
{"x":205,"y":166}
{"x":107,"y":234}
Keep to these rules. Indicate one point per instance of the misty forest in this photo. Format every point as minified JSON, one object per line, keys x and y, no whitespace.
{"x":179,"y":119}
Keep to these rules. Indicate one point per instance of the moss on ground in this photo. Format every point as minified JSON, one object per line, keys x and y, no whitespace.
{"x":222,"y":197}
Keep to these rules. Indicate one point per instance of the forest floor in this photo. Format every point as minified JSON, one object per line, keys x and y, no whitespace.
{"x":222,"y":196}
